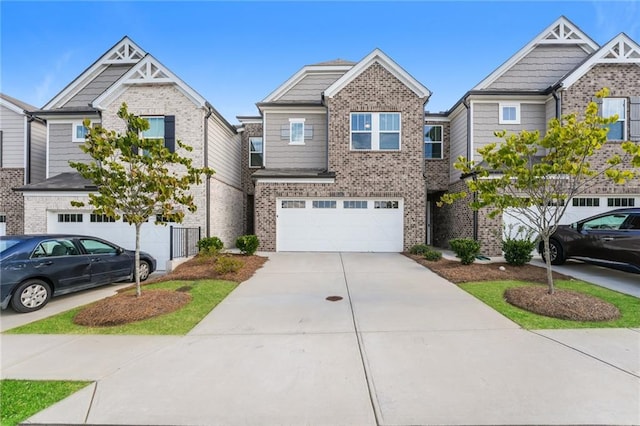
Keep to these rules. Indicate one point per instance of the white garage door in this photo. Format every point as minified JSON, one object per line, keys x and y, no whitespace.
{"x":339,"y":224}
{"x":583,"y":207}
{"x":154,"y":239}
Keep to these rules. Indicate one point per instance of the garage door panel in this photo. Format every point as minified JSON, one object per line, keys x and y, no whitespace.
{"x":154,"y":239}
{"x":339,"y":229}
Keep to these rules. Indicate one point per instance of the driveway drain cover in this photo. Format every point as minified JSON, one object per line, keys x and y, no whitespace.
{"x":334,"y":298}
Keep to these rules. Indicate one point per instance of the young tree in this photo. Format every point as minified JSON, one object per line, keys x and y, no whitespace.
{"x":137,"y":178}
{"x":531,"y":178}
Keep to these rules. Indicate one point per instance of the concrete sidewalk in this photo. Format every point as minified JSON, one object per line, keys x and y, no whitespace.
{"x":402,"y":347}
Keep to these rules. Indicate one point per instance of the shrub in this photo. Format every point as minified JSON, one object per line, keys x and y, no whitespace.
{"x":247,"y":244}
{"x":420,"y":249}
{"x":210,"y":245}
{"x":466,"y":249}
{"x":432,"y":255}
{"x":518,"y":249}
{"x":227,"y":264}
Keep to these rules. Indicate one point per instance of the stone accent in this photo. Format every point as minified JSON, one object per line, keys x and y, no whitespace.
{"x":363,"y":174}
{"x":11,"y":202}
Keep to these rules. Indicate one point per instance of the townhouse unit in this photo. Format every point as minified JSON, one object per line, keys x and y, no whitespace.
{"x":22,"y":159}
{"x":343,"y":156}
{"x":128,"y":74}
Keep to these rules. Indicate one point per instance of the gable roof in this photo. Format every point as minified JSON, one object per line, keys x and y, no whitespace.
{"x":147,"y":71}
{"x":337,"y":66}
{"x":124,"y":52}
{"x":620,"y":50}
{"x":562,"y":32}
{"x":14,"y":104}
{"x":378,"y":56}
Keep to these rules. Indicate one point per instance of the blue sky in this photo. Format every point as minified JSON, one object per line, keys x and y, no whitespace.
{"x":236,"y":53}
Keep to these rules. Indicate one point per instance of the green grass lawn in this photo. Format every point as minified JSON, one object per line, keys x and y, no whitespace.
{"x":206,"y":294}
{"x":21,"y":399}
{"x":491,"y":293}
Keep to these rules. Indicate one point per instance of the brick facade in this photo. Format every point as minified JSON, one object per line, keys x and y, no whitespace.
{"x":11,"y":202}
{"x":250,"y":130}
{"x":437,"y":171}
{"x":363,"y":174}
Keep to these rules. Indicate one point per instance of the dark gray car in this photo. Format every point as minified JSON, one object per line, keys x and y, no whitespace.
{"x":609,"y":239}
{"x":33,"y":268}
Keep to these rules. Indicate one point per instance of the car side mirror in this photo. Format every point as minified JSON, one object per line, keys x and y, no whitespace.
{"x":119,"y":251}
{"x":577,"y":226}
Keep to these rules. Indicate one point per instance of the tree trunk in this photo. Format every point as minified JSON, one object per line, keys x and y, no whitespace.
{"x":137,"y":260}
{"x":547,"y":259}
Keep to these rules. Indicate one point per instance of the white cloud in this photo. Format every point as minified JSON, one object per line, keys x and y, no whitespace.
{"x":52,"y":80}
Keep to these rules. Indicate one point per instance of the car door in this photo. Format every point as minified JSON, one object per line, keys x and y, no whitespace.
{"x":108,"y":263}
{"x":59,"y":260}
{"x":602,"y":238}
{"x":623,"y":244}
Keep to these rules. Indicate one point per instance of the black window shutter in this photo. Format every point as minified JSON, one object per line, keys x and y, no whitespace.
{"x":170,"y":132}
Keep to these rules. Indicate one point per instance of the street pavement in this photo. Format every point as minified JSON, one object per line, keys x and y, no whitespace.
{"x":402,"y":347}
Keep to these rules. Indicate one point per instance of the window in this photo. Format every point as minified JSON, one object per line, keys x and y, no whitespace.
{"x":385,"y":204}
{"x":70,"y":217}
{"x":255,"y":152}
{"x":125,"y":219}
{"x":3,"y":218}
{"x":293,"y":204}
{"x":324,"y":204}
{"x":433,"y":142}
{"x":613,"y":106}
{"x":79,"y":132}
{"x":621,"y":202}
{"x":55,"y":248}
{"x":375,"y":131}
{"x":97,"y":247}
{"x":509,"y":113}
{"x":163,"y":128}
{"x":586,"y":202}
{"x":100,"y":218}
{"x":355,"y":204}
{"x":163,"y":219}
{"x":156,"y":128}
{"x":605,"y":222}
{"x":296,"y":131}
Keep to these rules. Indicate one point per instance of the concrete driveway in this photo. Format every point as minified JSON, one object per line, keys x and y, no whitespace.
{"x":402,"y":347}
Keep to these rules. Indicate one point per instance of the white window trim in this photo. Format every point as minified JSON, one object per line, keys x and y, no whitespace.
{"x":293,"y":121}
{"x":441,"y":142}
{"x":624,"y":120}
{"x":74,"y":128}
{"x":503,"y":105}
{"x":375,"y":131}
{"x":255,"y":152}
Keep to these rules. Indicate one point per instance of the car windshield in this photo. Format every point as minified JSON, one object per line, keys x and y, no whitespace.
{"x":5,"y":244}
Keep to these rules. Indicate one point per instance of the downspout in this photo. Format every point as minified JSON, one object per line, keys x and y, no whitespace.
{"x":558,"y":104}
{"x":27,"y":172}
{"x":207,"y":186}
{"x":469,"y":156}
{"x":326,"y":146}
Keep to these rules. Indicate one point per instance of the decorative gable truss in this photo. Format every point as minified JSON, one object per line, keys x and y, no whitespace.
{"x":125,"y":52}
{"x":562,"y":32}
{"x":147,"y":71}
{"x":620,"y":50}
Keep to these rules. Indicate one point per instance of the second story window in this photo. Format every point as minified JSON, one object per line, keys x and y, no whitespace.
{"x":79,"y":132}
{"x":255,"y":152}
{"x":613,"y":106}
{"x":161,"y":128}
{"x":375,"y":131}
{"x":509,"y":113}
{"x":296,"y":131}
{"x":433,"y":142}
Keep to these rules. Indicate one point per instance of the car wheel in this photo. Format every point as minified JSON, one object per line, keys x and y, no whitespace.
{"x":557,"y":254}
{"x":145,"y":269}
{"x":30,"y":296}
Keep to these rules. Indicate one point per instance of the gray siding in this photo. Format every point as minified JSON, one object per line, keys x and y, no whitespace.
{"x":62,"y":150}
{"x":12,"y":125}
{"x":541,"y":68}
{"x":458,"y":143}
{"x":310,"y":88}
{"x":38,"y":152}
{"x":485,"y":122}
{"x":97,"y":86}
{"x":224,"y":152}
{"x":280,"y":155}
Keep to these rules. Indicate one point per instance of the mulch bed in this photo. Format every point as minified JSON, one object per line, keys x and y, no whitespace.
{"x":563,"y":304}
{"x":125,"y":308}
{"x":202,"y":268}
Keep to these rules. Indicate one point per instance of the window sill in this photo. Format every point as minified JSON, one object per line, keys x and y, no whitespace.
{"x":297,"y":143}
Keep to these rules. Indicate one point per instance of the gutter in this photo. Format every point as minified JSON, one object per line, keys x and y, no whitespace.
{"x":206,"y":164}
